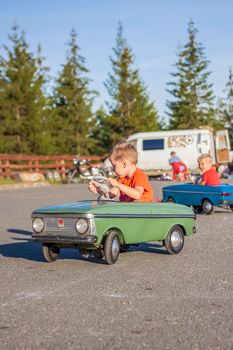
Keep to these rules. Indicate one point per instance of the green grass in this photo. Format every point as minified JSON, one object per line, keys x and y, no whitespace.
{"x":55,"y":182}
{"x":7,"y":181}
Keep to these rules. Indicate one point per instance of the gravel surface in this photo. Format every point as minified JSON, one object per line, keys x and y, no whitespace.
{"x":148,"y":299}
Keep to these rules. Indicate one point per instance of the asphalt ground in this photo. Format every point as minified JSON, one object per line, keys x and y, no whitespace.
{"x":147,"y":300}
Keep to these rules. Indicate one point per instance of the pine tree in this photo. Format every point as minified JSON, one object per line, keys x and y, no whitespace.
{"x":22,"y":97}
{"x":130,"y":109}
{"x":226,"y":107}
{"x":229,"y":108}
{"x":72,"y":104}
{"x":45,"y":144}
{"x":193,"y":96}
{"x":100,"y":133}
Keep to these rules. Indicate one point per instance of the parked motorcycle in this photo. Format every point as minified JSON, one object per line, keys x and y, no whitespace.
{"x":84,"y":169}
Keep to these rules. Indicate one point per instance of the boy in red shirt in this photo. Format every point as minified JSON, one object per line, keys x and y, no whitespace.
{"x":132,"y":184}
{"x":180,"y":171}
{"x":209,"y":174}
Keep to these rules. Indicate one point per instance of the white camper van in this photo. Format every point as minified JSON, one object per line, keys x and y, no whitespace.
{"x":154,"y":148}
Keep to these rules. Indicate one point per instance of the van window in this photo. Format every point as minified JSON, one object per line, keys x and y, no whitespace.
{"x":153,"y":144}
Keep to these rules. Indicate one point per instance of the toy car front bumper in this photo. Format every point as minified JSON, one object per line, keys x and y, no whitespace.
{"x":65,"y":240}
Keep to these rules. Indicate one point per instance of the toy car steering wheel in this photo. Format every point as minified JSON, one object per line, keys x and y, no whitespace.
{"x":104,"y":187}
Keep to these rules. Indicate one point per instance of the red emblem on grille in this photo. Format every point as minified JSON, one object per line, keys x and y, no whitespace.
{"x":60,"y":223}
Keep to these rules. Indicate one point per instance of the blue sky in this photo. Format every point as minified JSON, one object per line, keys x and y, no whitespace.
{"x":153,"y":29}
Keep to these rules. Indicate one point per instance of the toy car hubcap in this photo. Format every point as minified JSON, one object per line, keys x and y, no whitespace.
{"x":207,"y":206}
{"x":176,"y":239}
{"x":115,"y":248}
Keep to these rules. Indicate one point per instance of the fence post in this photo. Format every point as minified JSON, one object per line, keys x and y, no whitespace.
{"x":63,"y":169}
{"x":37,"y":165}
{"x":8,"y":169}
{"x":30,"y":166}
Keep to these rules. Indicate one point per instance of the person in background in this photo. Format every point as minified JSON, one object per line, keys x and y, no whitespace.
{"x":179,"y":168}
{"x":230,"y":167}
{"x":228,"y":171}
{"x":209,"y":173}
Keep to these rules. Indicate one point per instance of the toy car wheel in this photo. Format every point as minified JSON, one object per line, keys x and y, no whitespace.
{"x":231,"y":207}
{"x":98,"y":254}
{"x":50,"y":252}
{"x":197,"y":209}
{"x":174,"y":241}
{"x":171,"y":200}
{"x":111,"y":248}
{"x":207,"y":207}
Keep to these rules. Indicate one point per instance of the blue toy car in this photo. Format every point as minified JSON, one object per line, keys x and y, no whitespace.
{"x":200,"y":197}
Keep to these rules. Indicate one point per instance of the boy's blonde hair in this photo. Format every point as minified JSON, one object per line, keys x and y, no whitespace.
{"x":124,"y":151}
{"x":204,"y":156}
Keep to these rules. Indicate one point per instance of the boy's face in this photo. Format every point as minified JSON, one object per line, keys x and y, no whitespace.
{"x":120,"y":167}
{"x":205,"y":164}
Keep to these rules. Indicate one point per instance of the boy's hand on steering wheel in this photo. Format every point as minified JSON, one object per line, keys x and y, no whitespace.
{"x":113,"y":182}
{"x":93,"y":186}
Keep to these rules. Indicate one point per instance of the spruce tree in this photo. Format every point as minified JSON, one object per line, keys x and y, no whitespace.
{"x":130,"y":109}
{"x":100,"y":133}
{"x":22,"y":98}
{"x":192,"y":106}
{"x":72,"y":102}
{"x":226,"y":107}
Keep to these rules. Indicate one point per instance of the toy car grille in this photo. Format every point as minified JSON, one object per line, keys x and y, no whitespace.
{"x":62,"y":226}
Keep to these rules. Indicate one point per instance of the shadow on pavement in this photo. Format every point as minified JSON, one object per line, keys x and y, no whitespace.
{"x":19,"y":231}
{"x":27,"y":249}
{"x":24,"y":250}
{"x":150,"y":248}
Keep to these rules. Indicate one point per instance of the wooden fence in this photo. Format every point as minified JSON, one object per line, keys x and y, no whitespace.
{"x":10,"y":165}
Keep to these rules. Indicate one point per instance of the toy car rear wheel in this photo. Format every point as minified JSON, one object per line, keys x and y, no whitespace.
{"x":197,"y":209}
{"x":50,"y":252}
{"x":231,"y":207}
{"x":171,"y":200}
{"x":174,"y":240}
{"x":207,"y":207}
{"x":111,"y":248}
{"x":98,"y":254}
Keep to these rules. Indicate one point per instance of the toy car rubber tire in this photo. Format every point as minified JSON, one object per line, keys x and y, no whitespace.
{"x":207,"y":207}
{"x":174,"y":240}
{"x":231,"y":207}
{"x":98,"y":254}
{"x":111,"y":248}
{"x":197,"y":209}
{"x":50,"y":252}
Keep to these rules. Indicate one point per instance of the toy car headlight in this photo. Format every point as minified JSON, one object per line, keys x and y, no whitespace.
{"x":82,"y":225}
{"x":38,"y":225}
